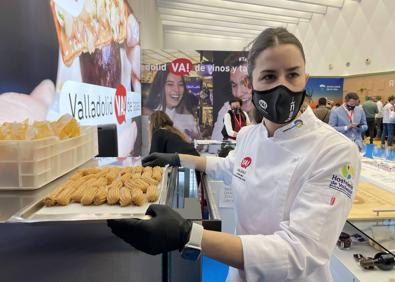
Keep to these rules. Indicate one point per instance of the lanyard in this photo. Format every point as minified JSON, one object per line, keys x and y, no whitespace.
{"x":349,"y":114}
{"x":238,"y":120}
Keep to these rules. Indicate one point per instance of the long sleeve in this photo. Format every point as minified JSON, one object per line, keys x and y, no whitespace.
{"x":220,"y":168}
{"x":363,"y":124}
{"x":317,"y":216}
{"x":219,"y":124}
{"x":334,"y":122}
{"x":228,"y":125}
{"x":158,"y":143}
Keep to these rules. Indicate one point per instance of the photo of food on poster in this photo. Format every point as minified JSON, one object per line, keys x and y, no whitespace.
{"x":77,"y":57}
{"x":193,"y":88}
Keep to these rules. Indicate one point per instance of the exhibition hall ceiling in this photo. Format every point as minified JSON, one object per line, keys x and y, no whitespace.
{"x":158,"y":56}
{"x":238,"y":18}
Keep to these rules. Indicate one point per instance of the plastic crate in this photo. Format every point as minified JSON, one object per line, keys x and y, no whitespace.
{"x":29,"y":165}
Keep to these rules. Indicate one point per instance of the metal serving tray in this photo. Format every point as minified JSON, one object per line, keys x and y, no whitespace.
{"x":37,"y":212}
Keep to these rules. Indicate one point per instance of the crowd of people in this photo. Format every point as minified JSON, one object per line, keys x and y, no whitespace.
{"x":373,"y":119}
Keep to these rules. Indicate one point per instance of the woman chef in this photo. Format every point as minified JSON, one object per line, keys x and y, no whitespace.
{"x":293,"y":180}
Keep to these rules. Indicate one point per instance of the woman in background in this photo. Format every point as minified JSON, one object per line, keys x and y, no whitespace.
{"x":166,"y":138}
{"x":169,"y":94}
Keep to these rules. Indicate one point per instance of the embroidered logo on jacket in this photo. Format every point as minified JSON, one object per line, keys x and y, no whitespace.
{"x":343,"y":182}
{"x":242,"y":170}
{"x":348,"y":171}
{"x":298,"y":123}
{"x":246,"y":162}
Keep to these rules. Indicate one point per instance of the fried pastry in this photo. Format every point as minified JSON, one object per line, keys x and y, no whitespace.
{"x":137,"y":197}
{"x":149,"y":180}
{"x":125,"y":198}
{"x":152,"y":193}
{"x":89,"y":195}
{"x":113,"y":192}
{"x":138,"y":169}
{"x":101,"y":195}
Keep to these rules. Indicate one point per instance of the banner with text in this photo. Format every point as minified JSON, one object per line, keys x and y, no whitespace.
{"x":80,"y":57}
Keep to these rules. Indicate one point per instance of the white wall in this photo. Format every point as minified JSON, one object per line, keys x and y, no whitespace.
{"x":151,"y":30}
{"x":358,"y":31}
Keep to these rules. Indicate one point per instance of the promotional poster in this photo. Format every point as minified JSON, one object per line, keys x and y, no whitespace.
{"x":330,"y":88}
{"x":194,"y":89}
{"x":79,"y":57}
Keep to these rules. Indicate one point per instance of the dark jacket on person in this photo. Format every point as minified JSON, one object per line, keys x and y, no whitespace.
{"x":164,"y":141}
{"x":243,"y":119}
{"x":322,"y":113}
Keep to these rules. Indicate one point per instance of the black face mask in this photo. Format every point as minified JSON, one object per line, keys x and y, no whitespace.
{"x":279,"y":104}
{"x":350,"y":108}
{"x":236,"y":110}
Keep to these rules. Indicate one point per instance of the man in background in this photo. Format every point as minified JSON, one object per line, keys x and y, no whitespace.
{"x":370,"y":109}
{"x":388,"y":122}
{"x":237,"y":78}
{"x":322,"y":112}
{"x":379,"y":118}
{"x":234,"y":119}
{"x":350,"y":119}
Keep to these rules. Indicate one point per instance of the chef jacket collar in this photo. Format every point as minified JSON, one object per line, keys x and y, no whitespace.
{"x":295,"y":126}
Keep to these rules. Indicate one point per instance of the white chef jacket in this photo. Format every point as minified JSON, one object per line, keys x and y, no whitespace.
{"x":292,"y":194}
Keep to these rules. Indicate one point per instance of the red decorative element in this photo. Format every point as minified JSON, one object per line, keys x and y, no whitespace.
{"x":180,"y":66}
{"x":333,"y":200}
{"x":246,"y":162}
{"x":120,"y":104}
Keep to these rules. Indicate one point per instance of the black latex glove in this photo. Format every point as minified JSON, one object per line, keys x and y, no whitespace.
{"x":161,"y":159}
{"x":165,"y":231}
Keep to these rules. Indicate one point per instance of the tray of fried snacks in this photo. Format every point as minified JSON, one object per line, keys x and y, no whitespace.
{"x":101,"y":193}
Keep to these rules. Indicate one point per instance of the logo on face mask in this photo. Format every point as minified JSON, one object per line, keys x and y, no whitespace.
{"x":279,"y":104}
{"x":350,"y":108}
{"x":263,"y":104}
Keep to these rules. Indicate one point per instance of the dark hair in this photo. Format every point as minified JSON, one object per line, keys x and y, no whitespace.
{"x":236,"y":59}
{"x":157,"y":95}
{"x":160,"y":119}
{"x":322,"y":101}
{"x":271,"y":37}
{"x":351,"y":95}
{"x":235,"y":100}
{"x":391,"y":98}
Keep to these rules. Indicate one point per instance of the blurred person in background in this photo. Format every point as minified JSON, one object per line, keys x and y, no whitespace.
{"x":322,"y":111}
{"x":239,"y":88}
{"x":388,"y":122}
{"x":370,"y":109}
{"x":165,"y":138}
{"x":350,"y":119}
{"x":379,"y":118}
{"x":234,"y":119}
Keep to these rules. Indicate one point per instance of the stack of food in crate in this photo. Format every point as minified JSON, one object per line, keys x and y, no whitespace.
{"x":34,"y":154}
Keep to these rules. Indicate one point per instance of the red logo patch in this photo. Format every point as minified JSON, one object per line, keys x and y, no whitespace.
{"x":333,"y":200}
{"x":180,"y":66}
{"x":246,"y":162}
{"x":120,"y":104}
